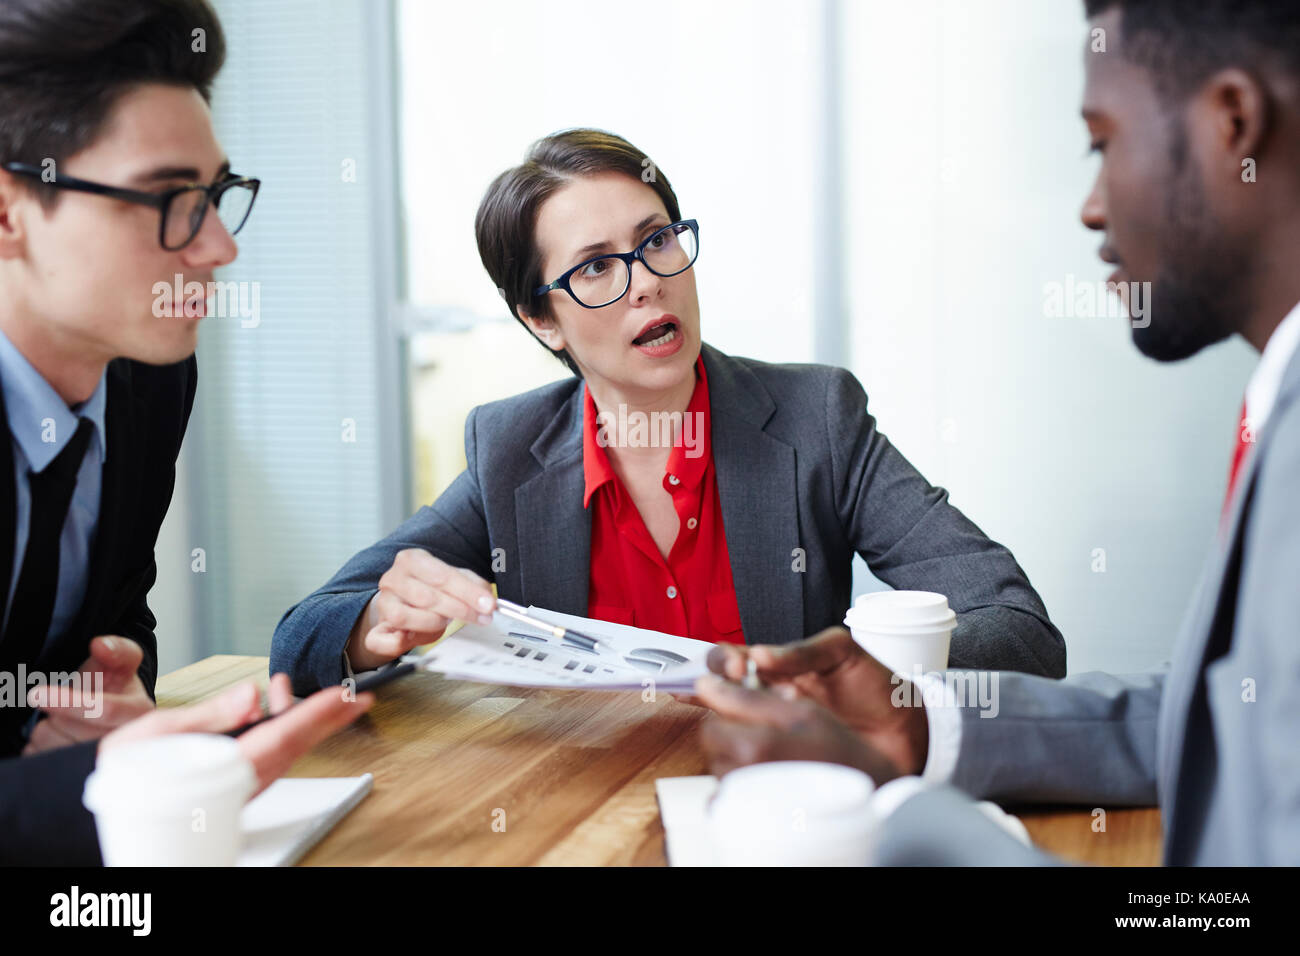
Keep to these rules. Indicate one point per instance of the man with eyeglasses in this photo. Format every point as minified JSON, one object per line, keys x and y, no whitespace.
{"x":109,"y":169}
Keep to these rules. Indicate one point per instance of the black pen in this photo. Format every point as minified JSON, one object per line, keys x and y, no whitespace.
{"x":385,"y":675}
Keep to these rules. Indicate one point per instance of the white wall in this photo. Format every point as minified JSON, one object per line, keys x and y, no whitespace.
{"x":966,"y":172}
{"x":720,"y":95}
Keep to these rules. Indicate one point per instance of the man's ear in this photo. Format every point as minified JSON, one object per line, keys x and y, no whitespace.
{"x":545,"y":329}
{"x":11,"y":220}
{"x":1238,"y":117}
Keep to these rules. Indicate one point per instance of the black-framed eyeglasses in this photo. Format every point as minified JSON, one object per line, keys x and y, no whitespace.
{"x":604,"y":280}
{"x":182,"y":209}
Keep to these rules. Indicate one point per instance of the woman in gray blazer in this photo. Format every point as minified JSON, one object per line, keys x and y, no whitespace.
{"x":666,"y":484}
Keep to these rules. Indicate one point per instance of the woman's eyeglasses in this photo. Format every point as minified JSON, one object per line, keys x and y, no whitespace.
{"x":605,"y":279}
{"x":182,"y":209}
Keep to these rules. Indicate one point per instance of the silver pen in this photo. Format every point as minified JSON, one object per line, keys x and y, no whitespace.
{"x":512,"y":610}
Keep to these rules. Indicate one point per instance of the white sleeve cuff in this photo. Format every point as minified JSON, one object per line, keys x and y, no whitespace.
{"x":944,"y":718}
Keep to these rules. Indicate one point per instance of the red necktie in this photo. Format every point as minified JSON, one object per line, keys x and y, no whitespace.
{"x":1245,"y":438}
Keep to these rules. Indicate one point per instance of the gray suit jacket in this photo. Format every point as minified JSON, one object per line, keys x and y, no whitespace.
{"x":801,"y":470}
{"x":1213,"y":737}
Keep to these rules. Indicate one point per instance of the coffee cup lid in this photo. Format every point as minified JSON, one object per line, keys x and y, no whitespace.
{"x":908,"y":609}
{"x":172,"y":772}
{"x":764,"y":791}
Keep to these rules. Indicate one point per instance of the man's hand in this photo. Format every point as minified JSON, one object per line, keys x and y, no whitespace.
{"x":755,"y":726}
{"x":831,"y":670}
{"x":271,"y":747}
{"x":90,"y":709}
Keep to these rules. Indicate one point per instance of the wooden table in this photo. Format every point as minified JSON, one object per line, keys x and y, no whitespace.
{"x":484,"y":774}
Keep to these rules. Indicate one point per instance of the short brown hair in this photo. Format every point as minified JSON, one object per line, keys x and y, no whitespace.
{"x":505,"y":226}
{"x":64,"y":63}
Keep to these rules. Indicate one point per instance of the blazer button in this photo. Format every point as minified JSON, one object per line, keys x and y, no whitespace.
{"x":672,"y":592}
{"x":691,"y":523}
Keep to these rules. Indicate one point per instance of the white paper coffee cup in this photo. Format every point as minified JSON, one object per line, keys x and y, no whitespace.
{"x":906,"y":631}
{"x":173,"y":800}
{"x":793,"y":813}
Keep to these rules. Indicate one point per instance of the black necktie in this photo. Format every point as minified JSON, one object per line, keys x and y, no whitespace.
{"x":38,"y":582}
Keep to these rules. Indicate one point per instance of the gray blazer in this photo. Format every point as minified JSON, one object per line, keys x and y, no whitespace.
{"x":1213,"y":737}
{"x":804,"y":479}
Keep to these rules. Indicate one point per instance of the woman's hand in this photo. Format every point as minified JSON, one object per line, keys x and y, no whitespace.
{"x":418,"y":597}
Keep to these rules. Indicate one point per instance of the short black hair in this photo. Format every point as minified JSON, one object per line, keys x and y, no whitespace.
{"x":65,"y":63}
{"x":1184,"y":41}
{"x":505,"y":226}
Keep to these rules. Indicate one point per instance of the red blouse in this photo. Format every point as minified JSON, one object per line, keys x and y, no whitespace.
{"x":690,"y":594}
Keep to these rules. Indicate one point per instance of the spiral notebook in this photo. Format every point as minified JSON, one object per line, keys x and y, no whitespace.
{"x":293,"y":814}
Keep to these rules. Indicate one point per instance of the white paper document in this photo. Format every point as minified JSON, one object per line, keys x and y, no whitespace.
{"x":509,"y":652}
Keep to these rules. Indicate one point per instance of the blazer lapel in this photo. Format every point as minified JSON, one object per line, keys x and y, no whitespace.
{"x":553,"y":528}
{"x":1189,"y":652}
{"x":1181,"y":682}
{"x":759,"y":499}
{"x":8,"y":512}
{"x":756,"y":487}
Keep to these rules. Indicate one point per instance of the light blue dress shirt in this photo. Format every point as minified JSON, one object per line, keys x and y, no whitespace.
{"x":42,"y":424}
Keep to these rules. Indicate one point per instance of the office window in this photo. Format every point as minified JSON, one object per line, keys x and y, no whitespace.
{"x":286,"y":471}
{"x":718,"y":95}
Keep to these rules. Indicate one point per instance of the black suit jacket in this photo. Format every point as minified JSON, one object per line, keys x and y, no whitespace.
{"x":42,"y":819}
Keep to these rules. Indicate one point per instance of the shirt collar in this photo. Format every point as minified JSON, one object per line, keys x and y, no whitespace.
{"x":596,"y":469}
{"x":30,"y":401}
{"x":689,"y":458}
{"x":1266,"y":380}
{"x":690,"y":455}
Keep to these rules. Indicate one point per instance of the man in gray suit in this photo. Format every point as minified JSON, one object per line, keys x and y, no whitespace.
{"x":1186,"y":102}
